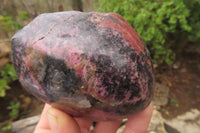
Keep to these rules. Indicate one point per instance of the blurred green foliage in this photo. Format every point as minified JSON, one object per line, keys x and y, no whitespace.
{"x":23,"y":15}
{"x":8,"y":24}
{"x":7,"y":75}
{"x":7,"y":127}
{"x":14,"y":108}
{"x":161,"y":23}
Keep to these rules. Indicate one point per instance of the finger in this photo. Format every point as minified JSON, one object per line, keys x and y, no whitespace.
{"x":139,"y":122}
{"x":107,"y":127}
{"x":43,"y":124}
{"x":84,"y":125}
{"x":39,"y":130}
{"x":61,"y":122}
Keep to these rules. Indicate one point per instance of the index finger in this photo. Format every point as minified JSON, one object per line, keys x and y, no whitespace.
{"x":139,"y":122}
{"x":43,"y":122}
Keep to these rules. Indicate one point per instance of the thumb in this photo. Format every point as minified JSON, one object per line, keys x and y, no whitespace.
{"x":61,"y":122}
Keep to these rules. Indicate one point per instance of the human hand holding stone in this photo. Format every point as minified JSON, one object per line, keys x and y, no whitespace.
{"x":55,"y":121}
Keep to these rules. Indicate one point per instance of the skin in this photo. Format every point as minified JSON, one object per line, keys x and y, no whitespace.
{"x":55,"y":121}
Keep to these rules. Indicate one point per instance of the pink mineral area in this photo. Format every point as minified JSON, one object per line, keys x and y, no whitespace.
{"x":73,"y":57}
{"x":144,"y":88}
{"x":128,"y":33}
{"x":39,"y":46}
{"x":100,"y":115}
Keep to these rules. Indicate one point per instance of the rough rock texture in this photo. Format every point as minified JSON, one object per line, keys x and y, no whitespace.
{"x":161,"y":94}
{"x":26,"y":125}
{"x":157,"y":123}
{"x":91,"y":65}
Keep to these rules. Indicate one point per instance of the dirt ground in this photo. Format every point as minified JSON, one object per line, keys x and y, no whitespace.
{"x":183,"y":80}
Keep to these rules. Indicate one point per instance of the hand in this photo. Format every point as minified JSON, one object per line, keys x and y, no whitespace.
{"x":55,"y":121}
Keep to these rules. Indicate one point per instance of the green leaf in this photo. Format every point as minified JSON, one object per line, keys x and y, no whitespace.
{"x":2,"y":92}
{"x":3,"y":83}
{"x":173,"y":19}
{"x":7,"y":127}
{"x":174,"y":101}
{"x":14,"y":107}
{"x":3,"y":87}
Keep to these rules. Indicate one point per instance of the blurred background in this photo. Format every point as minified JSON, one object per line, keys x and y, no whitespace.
{"x":171,"y":31}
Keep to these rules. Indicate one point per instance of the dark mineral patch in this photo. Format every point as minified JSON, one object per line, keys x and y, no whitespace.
{"x":59,"y":80}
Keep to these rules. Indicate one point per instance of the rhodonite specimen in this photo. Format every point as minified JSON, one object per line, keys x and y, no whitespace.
{"x":90,"y":65}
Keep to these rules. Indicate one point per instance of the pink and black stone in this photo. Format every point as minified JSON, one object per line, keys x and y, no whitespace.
{"x":90,"y":65}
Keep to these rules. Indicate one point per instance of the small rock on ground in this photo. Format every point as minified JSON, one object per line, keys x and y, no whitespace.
{"x":161,"y":94}
{"x":157,"y":123}
{"x":186,"y":123}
